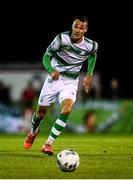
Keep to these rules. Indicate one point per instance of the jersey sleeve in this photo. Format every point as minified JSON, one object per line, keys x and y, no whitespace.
{"x":92,"y":58}
{"x":91,"y":64}
{"x":54,"y":46}
{"x":47,"y":63}
{"x":94,"y":48}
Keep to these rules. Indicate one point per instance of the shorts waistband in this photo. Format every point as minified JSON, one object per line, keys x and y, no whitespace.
{"x":73,"y":76}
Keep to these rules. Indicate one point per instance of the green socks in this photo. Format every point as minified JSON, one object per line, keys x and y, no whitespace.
{"x":35,"y":122}
{"x":57,"y":128}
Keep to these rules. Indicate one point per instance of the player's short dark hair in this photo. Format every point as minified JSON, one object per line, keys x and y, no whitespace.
{"x":82,"y":19}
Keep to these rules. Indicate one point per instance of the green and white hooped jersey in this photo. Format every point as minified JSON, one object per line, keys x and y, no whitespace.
{"x":67,"y":56}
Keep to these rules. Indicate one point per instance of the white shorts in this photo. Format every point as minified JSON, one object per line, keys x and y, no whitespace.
{"x":63,"y":88}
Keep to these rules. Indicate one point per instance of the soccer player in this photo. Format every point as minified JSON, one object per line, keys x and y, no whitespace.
{"x":63,"y":60}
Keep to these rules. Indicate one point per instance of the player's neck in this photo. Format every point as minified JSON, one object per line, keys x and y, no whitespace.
{"x":77,"y":41}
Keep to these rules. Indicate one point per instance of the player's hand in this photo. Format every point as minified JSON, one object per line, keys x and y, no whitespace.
{"x":87,"y":83}
{"x":55,"y":75}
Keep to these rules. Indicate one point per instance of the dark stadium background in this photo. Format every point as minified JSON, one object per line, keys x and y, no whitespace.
{"x":26,"y":29}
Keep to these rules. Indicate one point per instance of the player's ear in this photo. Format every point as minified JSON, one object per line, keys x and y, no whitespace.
{"x":86,"y":30}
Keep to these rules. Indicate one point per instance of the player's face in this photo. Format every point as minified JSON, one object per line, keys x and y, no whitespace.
{"x":79,"y":28}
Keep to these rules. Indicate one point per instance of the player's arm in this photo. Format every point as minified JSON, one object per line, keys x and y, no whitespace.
{"x":52,"y":48}
{"x":91,"y":64}
{"x":47,"y":64}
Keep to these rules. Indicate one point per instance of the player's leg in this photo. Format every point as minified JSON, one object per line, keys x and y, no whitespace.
{"x":36,"y":119}
{"x":67,"y":89}
{"x":46,"y":98}
{"x":60,"y":123}
{"x":58,"y":126}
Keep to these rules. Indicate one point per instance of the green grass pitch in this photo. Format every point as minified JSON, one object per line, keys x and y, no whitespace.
{"x":101,"y":156}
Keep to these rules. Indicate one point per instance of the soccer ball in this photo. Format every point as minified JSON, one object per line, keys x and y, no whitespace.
{"x":68,"y":160}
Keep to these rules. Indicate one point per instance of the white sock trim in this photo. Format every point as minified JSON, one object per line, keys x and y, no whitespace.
{"x":50,"y":140}
{"x":34,"y":132}
{"x":60,"y":122}
{"x":51,"y":137}
{"x":55,"y":131}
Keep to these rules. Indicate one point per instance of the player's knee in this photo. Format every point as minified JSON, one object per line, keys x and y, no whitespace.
{"x":41,"y":113}
{"x":66,"y":110}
